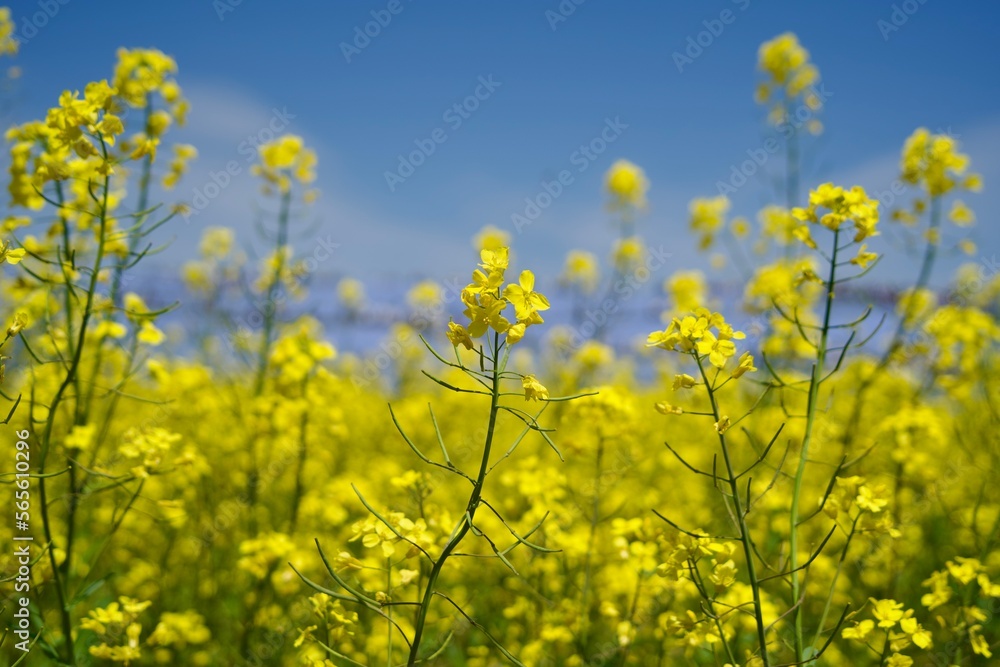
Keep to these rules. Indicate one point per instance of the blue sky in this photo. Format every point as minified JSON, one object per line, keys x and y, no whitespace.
{"x":243,"y":64}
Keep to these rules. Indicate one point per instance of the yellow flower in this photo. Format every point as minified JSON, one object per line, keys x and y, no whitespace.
{"x":627,"y":253}
{"x":665,"y":408}
{"x":719,"y":350}
{"x":458,"y":335}
{"x":81,"y":437}
{"x":351,"y":293}
{"x":745,"y":365}
{"x":525,"y":300}
{"x":149,"y":334}
{"x":687,"y":289}
{"x":10,"y":255}
{"x":859,"y":631}
{"x":283,"y":159}
{"x":864,"y":258}
{"x":684,"y":381}
{"x":933,"y":162}
{"x":581,"y":270}
{"x":110,"y":329}
{"x":483,"y":312}
{"x":495,"y":260}
{"x":8,"y":40}
{"x":491,"y":238}
{"x":627,"y":185}
{"x":533,"y":389}
{"x":19,"y":323}
{"x":961,"y":214}
{"x":722,"y":425}
{"x":708,"y":215}
{"x":425,"y":295}
{"x":887,"y":612}
{"x":979,"y":644}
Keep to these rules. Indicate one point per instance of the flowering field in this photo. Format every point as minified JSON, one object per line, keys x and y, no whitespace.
{"x":797,"y":479}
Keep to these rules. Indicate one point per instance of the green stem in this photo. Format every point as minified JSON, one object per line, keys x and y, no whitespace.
{"x":60,"y":573}
{"x":465,"y":523}
{"x":133,"y":238}
{"x":814,"y":386}
{"x":741,"y":522}
{"x":833,"y":586}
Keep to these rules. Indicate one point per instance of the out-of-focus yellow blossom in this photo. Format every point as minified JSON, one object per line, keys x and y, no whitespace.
{"x":351,"y":293}
{"x":110,"y":329}
{"x":17,"y":325}
{"x":183,"y":154}
{"x":790,"y":79}
{"x":179,"y":629}
{"x":777,"y":223}
{"x":425,"y":295}
{"x":81,"y":437}
{"x":216,"y":242}
{"x":491,"y":238}
{"x":581,"y":270}
{"x":687,"y":290}
{"x":627,"y":254}
{"x":284,"y":160}
{"x":933,"y":162}
{"x":8,"y":41}
{"x":914,"y":306}
{"x":627,"y":185}
{"x":864,"y":258}
{"x":961,"y":214}
{"x":708,"y":216}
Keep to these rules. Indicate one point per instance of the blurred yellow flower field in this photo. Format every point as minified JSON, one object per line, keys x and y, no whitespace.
{"x":797,"y":479}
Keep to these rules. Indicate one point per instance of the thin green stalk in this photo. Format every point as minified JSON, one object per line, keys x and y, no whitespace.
{"x":814,"y":387}
{"x":270,"y":309}
{"x":741,"y":522}
{"x":301,"y":463}
{"x":388,"y":613}
{"x":791,"y":171}
{"x":264,"y":352}
{"x":465,"y":523}
{"x":144,"y":181}
{"x":833,"y":586}
{"x":60,"y":573}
